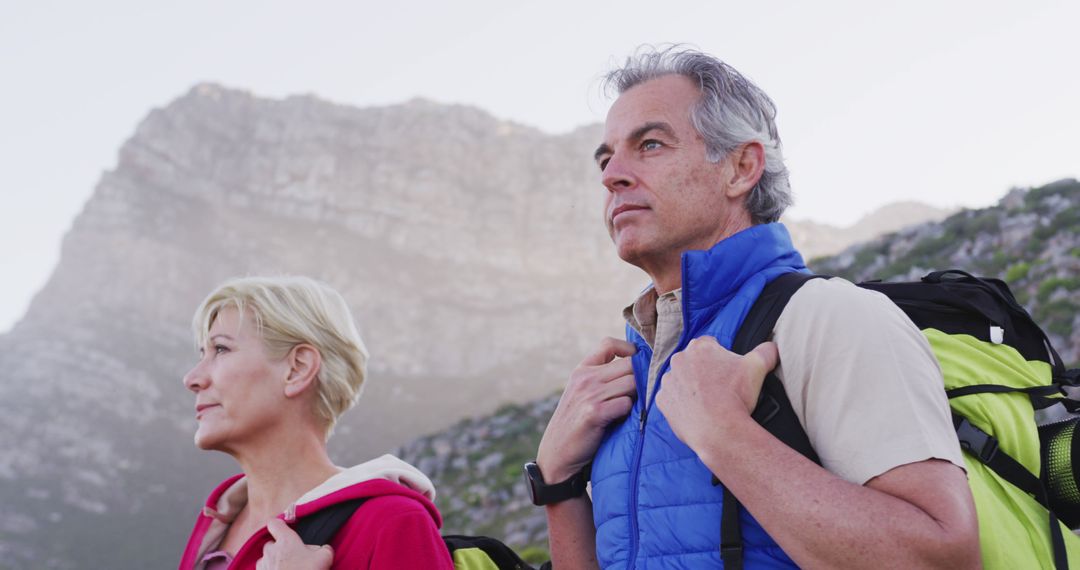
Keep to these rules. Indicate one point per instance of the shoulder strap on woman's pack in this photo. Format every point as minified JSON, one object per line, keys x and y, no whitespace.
{"x":321,"y":526}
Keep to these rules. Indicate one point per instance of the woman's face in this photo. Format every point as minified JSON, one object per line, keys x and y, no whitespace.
{"x":238,"y":387}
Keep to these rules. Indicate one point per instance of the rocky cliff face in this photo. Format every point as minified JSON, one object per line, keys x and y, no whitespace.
{"x":470,"y":249}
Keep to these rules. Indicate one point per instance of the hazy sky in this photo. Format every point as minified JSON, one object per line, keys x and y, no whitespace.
{"x":950,"y":103}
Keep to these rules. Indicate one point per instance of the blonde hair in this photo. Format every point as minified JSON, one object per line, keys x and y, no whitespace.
{"x":290,"y":311}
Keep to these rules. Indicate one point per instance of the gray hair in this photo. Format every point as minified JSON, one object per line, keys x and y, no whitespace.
{"x":732,"y":111}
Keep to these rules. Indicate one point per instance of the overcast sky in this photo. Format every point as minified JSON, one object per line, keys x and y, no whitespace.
{"x":951,"y":103}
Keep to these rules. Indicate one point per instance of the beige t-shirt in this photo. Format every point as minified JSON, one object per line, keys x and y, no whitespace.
{"x":861,"y":377}
{"x":863,"y":381}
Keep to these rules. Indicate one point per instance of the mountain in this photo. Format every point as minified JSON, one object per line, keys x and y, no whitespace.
{"x":1031,"y":239}
{"x":816,"y":239}
{"x":470,"y":249}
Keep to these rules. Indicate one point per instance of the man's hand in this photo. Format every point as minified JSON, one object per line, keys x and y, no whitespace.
{"x":708,"y":384}
{"x":287,"y":551}
{"x":600,"y":391}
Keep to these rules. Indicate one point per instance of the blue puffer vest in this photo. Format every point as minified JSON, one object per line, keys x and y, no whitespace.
{"x":654,"y":504}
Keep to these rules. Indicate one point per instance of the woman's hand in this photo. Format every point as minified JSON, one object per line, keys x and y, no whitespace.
{"x":288,"y":552}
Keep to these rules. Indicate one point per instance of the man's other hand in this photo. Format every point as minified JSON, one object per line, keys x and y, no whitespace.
{"x":600,"y":391}
{"x":707,"y":385}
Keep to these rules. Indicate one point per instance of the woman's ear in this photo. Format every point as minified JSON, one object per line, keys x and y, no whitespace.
{"x":304,"y":363}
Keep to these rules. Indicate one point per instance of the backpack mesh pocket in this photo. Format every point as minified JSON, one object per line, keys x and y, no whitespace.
{"x":1060,"y":464}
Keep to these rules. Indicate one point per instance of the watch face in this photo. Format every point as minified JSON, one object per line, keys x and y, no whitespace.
{"x":533,"y":478}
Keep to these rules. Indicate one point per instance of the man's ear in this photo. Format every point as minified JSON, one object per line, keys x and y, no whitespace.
{"x":304,"y":363}
{"x":747,"y":165}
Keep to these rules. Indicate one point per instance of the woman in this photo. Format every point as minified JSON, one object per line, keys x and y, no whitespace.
{"x":281,"y":360}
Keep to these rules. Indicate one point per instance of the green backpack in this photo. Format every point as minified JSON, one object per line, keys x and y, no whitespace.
{"x":1006,"y":387}
{"x":468,"y":552}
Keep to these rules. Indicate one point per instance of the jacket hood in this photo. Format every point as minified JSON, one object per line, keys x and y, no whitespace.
{"x":386,"y":475}
{"x":380,"y":477}
{"x":387,"y":467}
{"x":231,"y":495}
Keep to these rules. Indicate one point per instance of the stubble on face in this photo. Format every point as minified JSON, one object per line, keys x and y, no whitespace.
{"x":666,"y":172}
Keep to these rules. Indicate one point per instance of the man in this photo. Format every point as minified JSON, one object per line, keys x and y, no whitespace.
{"x":695,"y":181}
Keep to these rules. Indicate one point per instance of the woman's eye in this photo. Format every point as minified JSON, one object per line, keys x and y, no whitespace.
{"x":220,"y":348}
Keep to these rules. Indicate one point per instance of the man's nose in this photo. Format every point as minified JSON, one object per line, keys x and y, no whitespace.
{"x":617,"y":174}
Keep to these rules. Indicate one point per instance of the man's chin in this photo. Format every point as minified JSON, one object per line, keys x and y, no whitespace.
{"x":629,"y":253}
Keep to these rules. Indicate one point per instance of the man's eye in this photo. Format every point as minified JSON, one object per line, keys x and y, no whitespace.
{"x":603,"y":164}
{"x":651,"y":144}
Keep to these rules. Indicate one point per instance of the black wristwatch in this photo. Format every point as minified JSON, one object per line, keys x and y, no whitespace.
{"x":544,"y":494}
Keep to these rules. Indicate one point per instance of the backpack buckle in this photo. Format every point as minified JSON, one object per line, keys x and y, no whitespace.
{"x":732,"y":555}
{"x":766,"y":409}
{"x":976,"y":441}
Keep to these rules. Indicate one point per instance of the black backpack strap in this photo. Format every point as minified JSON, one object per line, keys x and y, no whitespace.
{"x":1069,"y":377}
{"x":731,"y":546}
{"x":1041,"y":396}
{"x":1047,"y":390}
{"x":762,"y":317}
{"x":320,"y":527}
{"x":984,"y":447}
{"x":773,"y":411}
{"x":502,"y":555}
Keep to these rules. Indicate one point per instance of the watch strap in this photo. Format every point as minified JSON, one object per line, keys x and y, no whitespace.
{"x":548,"y":494}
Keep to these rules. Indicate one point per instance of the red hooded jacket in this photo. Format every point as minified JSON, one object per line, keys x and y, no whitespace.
{"x":396,"y":528}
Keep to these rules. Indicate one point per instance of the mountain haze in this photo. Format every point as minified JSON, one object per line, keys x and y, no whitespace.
{"x":471,"y":251}
{"x":814,"y":239}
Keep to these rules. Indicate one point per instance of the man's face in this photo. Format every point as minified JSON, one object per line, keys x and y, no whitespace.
{"x":663,"y":197}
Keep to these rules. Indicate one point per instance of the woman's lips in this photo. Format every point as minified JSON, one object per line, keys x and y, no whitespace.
{"x":199,"y":409}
